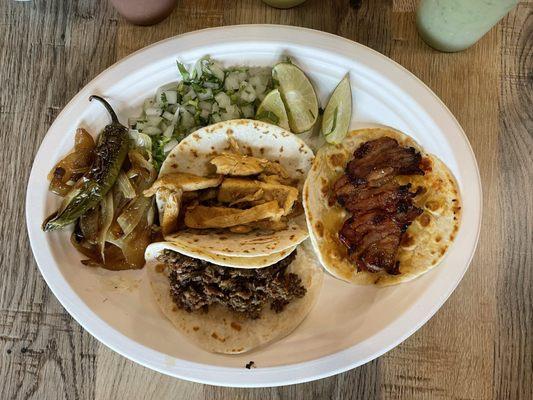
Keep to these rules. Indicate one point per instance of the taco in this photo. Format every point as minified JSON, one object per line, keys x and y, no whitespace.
{"x":233,"y":190}
{"x":380,"y":210}
{"x":233,"y":310}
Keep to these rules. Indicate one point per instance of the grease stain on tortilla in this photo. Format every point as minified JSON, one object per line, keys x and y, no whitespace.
{"x":424,"y":220}
{"x":216,"y":337}
{"x":324,"y":189}
{"x":433,"y":205}
{"x":337,"y":160}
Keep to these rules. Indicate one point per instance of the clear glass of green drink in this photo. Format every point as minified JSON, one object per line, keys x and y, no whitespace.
{"x":455,"y":25}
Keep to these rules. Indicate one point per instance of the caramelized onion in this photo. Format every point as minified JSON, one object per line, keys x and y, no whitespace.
{"x":113,"y":235}
{"x":71,"y":168}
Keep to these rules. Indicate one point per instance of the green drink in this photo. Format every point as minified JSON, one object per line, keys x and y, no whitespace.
{"x":454,"y":25}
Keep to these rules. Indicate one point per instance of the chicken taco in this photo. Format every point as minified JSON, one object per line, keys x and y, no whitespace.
{"x":233,"y":190}
{"x":380,"y":210}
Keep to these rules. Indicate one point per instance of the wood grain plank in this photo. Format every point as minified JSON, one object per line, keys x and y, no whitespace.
{"x":479,"y":345}
{"x":118,"y":375}
{"x":45,"y":58}
{"x":438,"y":362}
{"x":513,"y":369}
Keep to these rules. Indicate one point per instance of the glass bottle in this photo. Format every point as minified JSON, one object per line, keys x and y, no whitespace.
{"x":454,"y":25}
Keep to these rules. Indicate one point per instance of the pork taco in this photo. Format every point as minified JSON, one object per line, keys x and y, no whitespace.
{"x":233,"y":310}
{"x":380,"y":210}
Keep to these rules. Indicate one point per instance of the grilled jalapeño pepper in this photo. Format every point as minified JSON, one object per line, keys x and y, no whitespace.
{"x":110,"y":152}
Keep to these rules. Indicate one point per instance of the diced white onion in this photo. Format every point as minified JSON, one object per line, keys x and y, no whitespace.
{"x":190,"y":95}
{"x":232,"y":81}
{"x":172,"y":96}
{"x":153,"y":121}
{"x":176,"y":116}
{"x":248,"y":111}
{"x":152,"y":112}
{"x":151,"y":130}
{"x":205,"y":105}
{"x":223,"y":99}
{"x":247,"y":92}
{"x":211,"y":85}
{"x":205,"y":114}
{"x":169,"y":131}
{"x":187,"y":120}
{"x":232,"y":109}
{"x":208,"y":94}
{"x":168,"y":116}
{"x":217,"y":71}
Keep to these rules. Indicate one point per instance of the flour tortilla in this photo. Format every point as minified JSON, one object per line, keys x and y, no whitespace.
{"x":257,"y":139}
{"x":260,"y":261}
{"x":427,"y":239}
{"x":223,"y":331}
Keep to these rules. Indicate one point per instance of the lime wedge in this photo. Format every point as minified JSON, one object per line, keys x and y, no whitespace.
{"x":272,"y":110}
{"x":338,"y":113}
{"x":298,"y":95}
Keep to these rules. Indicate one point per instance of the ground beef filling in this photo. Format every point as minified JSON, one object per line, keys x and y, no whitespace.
{"x":196,"y":284}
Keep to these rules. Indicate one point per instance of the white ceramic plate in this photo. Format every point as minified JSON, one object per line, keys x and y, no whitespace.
{"x":350,"y":325}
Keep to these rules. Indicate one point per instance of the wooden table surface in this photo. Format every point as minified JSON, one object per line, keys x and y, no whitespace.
{"x":478,"y":346}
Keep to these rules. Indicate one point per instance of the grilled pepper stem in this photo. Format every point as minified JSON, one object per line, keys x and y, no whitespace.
{"x":110,"y":153}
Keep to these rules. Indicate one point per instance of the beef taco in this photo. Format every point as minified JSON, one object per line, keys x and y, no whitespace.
{"x":233,"y":310}
{"x":380,"y":210}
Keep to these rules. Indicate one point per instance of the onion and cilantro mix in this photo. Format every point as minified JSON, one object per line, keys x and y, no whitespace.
{"x":207,"y":94}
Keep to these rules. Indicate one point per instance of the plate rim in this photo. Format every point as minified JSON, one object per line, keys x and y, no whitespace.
{"x":233,"y":376}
